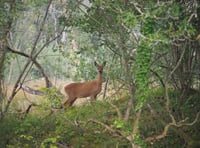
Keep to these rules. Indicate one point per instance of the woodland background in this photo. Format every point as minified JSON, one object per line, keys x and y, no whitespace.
{"x":151,"y":91}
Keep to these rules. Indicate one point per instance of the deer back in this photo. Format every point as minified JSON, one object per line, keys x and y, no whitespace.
{"x":82,"y":90}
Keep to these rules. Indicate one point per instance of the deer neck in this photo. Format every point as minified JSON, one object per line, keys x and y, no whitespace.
{"x":99,"y":78}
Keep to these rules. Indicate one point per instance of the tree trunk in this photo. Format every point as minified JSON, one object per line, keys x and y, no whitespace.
{"x":3,"y":44}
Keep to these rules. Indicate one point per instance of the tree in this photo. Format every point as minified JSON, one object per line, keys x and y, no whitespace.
{"x":147,"y":45}
{"x":32,"y":56}
{"x":144,"y":36}
{"x":7,"y":11}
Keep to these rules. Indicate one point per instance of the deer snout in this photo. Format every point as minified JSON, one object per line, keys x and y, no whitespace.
{"x":100,"y":71}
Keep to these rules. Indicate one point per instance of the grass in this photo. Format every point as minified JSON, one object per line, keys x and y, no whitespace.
{"x":73,"y":127}
{"x":61,"y":128}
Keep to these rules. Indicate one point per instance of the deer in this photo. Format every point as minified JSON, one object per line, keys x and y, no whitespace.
{"x":85,"y":89}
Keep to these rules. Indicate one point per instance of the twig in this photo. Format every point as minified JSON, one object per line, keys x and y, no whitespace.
{"x":177,"y":65}
{"x":116,"y":91}
{"x":166,"y":88}
{"x":181,"y":123}
{"x":117,"y":110}
{"x":16,"y":88}
{"x":119,"y":133}
{"x":137,"y":8}
{"x":61,"y":145}
{"x":104,"y":125}
{"x":41,"y":28}
{"x":110,"y":129}
{"x":168,"y":125}
{"x":162,"y":135}
{"x":135,"y":126}
{"x":158,"y":76}
{"x":105,"y":88}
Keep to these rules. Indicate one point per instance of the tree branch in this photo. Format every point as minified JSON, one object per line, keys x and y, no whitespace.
{"x":41,"y":28}
{"x":158,"y":76}
{"x":32,"y":91}
{"x":172,"y":124}
{"x":117,"y":132}
{"x":105,"y":88}
{"x":119,"y":114}
{"x":47,"y":81}
{"x":104,"y":125}
{"x":135,"y":126}
{"x":177,"y":65}
{"x":16,"y":88}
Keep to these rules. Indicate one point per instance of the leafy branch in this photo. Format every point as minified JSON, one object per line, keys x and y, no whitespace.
{"x":16,"y":87}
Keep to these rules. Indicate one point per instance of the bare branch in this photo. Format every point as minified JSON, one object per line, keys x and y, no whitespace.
{"x":137,"y":8}
{"x":105,"y":88}
{"x":41,"y":28}
{"x":32,"y":91}
{"x":162,"y":135}
{"x":16,"y":88}
{"x":47,"y":43}
{"x":182,"y":123}
{"x":48,"y":82}
{"x":61,"y":145}
{"x":178,"y":63}
{"x":158,"y":76}
{"x":103,"y":125}
{"x":172,"y":124}
{"x":116,"y":91}
{"x":119,"y":114}
{"x":135,"y":126}
{"x":117,"y":132}
{"x":166,"y":88}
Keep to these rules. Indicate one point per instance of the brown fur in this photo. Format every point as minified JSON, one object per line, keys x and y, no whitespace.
{"x":85,"y":89}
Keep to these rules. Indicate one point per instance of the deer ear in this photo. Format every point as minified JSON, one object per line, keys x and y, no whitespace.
{"x":95,"y":63}
{"x":104,"y":63}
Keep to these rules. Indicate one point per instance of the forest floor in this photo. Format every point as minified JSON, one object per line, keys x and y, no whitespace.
{"x":22,"y":99}
{"x":89,"y":125}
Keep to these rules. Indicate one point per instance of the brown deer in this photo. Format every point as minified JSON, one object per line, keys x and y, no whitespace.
{"x":85,"y":89}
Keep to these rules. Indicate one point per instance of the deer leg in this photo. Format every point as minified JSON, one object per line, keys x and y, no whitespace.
{"x":93,"y":98}
{"x":70,"y":101}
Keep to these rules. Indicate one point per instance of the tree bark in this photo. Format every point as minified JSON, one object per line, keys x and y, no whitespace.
{"x":3,"y":44}
{"x":28,"y":64}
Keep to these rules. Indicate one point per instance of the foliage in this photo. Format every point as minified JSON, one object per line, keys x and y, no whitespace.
{"x":54,"y":99}
{"x":60,"y":128}
{"x":138,"y":140}
{"x":142,"y":71}
{"x":142,"y":41}
{"x":73,"y":127}
{"x":50,"y":142}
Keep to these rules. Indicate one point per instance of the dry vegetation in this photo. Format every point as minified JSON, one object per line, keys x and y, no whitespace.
{"x":23,"y":99}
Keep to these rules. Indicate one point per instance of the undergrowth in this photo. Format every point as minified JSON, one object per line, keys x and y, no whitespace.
{"x":73,"y":127}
